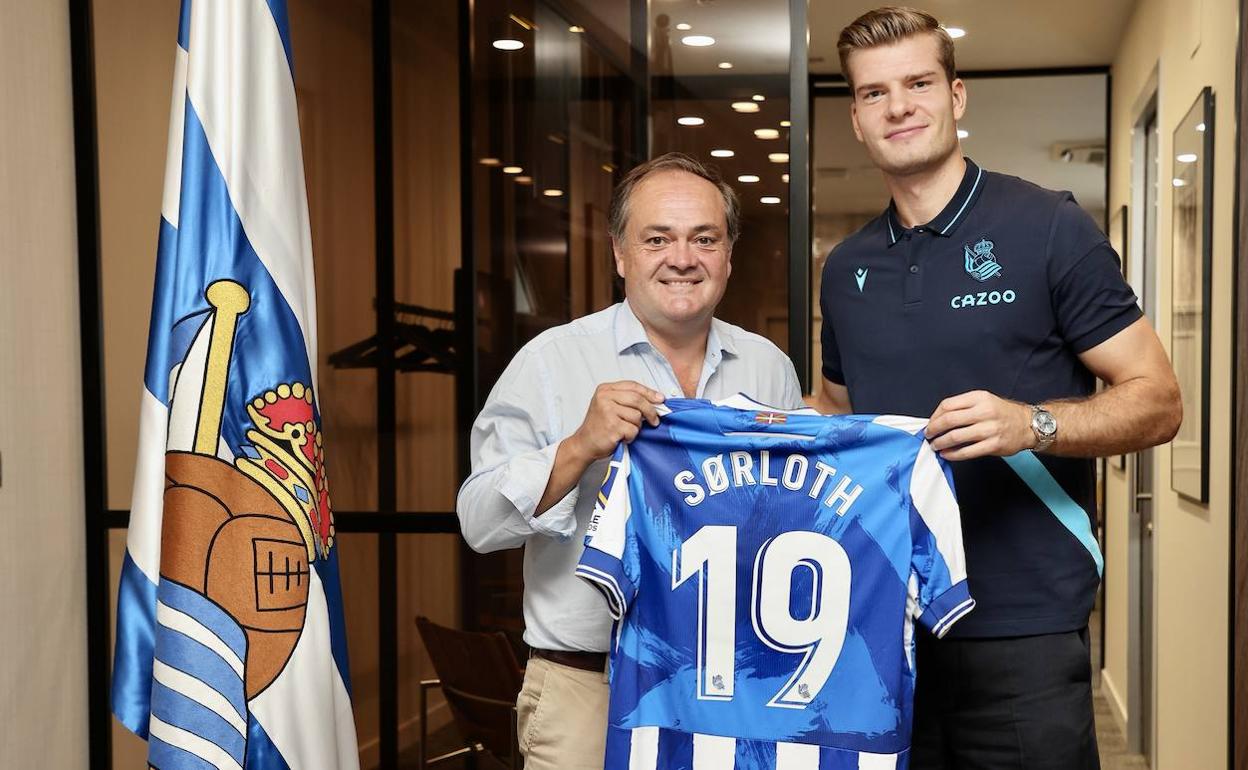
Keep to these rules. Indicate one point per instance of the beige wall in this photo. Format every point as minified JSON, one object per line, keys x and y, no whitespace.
{"x":43,"y":713}
{"x":1190,"y":45}
{"x":331,"y":42}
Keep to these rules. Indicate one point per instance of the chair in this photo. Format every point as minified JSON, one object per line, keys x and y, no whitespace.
{"x":480,"y":678}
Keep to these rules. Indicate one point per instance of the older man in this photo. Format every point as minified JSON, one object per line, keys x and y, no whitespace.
{"x":541,"y":443}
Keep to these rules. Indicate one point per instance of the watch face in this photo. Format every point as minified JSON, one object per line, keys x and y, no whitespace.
{"x":1045,"y":423}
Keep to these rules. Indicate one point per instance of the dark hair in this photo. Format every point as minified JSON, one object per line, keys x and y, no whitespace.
{"x":892,"y":24}
{"x":617,"y":217}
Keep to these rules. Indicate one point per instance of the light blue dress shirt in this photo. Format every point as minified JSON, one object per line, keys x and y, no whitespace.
{"x":540,"y":399}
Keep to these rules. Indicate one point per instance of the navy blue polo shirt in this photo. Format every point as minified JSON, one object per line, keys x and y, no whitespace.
{"x":1000,"y":292}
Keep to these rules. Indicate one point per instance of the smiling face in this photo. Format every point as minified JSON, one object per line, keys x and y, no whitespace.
{"x":905,"y":110}
{"x":675,"y":256}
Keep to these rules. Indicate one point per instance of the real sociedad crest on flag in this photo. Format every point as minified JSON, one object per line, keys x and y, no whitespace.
{"x":231,"y":650}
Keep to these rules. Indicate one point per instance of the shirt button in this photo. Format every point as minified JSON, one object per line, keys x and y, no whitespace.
{"x":919,"y":230}
{"x":914,"y":268}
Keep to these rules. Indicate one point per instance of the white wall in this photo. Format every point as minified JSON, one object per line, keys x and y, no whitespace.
{"x":1190,"y":44}
{"x":43,"y":712}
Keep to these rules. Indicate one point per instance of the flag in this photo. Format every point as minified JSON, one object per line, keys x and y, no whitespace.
{"x":230,"y":648}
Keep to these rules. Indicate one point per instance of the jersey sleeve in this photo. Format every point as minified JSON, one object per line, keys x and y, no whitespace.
{"x":609,"y":561}
{"x":938,"y":561}
{"x":1091,"y":299}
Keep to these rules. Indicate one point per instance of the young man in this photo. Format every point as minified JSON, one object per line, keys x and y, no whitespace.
{"x":991,"y":305}
{"x":541,"y":443}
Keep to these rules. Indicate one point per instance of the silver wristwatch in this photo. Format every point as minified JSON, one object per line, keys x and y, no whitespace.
{"x":1044,"y":425}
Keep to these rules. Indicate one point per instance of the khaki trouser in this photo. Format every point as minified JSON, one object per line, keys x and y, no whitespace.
{"x":562,"y":714}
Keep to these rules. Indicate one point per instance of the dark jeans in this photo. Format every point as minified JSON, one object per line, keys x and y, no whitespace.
{"x":1020,"y":703}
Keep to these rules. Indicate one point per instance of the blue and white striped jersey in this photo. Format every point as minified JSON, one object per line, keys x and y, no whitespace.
{"x":765,"y":569}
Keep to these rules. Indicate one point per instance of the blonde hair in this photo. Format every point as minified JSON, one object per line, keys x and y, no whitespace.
{"x":893,"y":24}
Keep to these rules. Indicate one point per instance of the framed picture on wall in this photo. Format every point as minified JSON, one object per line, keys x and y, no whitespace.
{"x":1192,"y":258}
{"x":1119,"y":223}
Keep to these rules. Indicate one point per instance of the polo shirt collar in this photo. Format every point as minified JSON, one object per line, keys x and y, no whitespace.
{"x":947,"y":221}
{"x":629,"y":332}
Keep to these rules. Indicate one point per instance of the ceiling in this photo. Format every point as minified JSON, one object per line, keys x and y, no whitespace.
{"x":1001,"y":34}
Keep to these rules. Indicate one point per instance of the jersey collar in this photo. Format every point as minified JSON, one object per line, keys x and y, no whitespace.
{"x":947,"y":221}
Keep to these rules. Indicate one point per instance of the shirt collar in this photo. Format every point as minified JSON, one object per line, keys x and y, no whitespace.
{"x":947,"y":221}
{"x":630,"y":332}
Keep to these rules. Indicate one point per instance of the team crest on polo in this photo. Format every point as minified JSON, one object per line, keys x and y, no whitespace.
{"x":981,"y":263}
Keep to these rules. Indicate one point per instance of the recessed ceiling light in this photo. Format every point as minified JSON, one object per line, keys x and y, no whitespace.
{"x":1187,"y":157}
{"x":698,"y":41}
{"x":684,"y":26}
{"x":524,"y":180}
{"x":512,"y":169}
{"x":766,"y":133}
{"x":785,"y":123}
{"x":1200,"y":127}
{"x":769,"y":199}
{"x":747,"y":179}
{"x":784,"y":178}
{"x":759,"y":98}
{"x":725,"y":65}
{"x":490,"y":162}
{"x":690,"y":120}
{"x":722,"y":153}
{"x":508,"y":44}
{"x":963,"y":133}
{"x":955,"y":32}
{"x":608,"y":167}
{"x":552,"y":192}
{"x":577,"y":28}
{"x":1178,"y":182}
{"x":778,"y":157}
{"x":745,"y":106}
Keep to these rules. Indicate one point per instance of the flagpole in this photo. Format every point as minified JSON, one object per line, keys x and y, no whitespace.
{"x":229,"y":300}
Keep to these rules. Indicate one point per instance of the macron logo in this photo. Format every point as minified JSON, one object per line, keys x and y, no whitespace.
{"x":861,"y":276}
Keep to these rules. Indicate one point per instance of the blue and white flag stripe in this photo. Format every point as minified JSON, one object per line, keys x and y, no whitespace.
{"x":235,"y":207}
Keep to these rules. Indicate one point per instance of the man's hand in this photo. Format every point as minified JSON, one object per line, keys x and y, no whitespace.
{"x":979,"y":424}
{"x":614,"y":415}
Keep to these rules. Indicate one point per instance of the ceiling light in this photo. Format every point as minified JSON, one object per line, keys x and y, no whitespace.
{"x":784,"y":178}
{"x":747,"y":179}
{"x":769,"y":199}
{"x":1187,"y":157}
{"x":1178,"y":182}
{"x":552,"y":193}
{"x":722,"y":153}
{"x":490,"y":162}
{"x":963,"y":133}
{"x":690,"y":120}
{"x":766,"y":133}
{"x":684,"y":26}
{"x":725,"y":65}
{"x":955,"y":32}
{"x":759,"y":98}
{"x":512,"y":169}
{"x":745,"y":106}
{"x":785,"y":123}
{"x":778,"y":157}
{"x":608,"y":167}
{"x":1200,"y":127}
{"x":698,"y":41}
{"x":508,"y":44}
{"x":524,"y":180}
{"x":577,"y":28}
